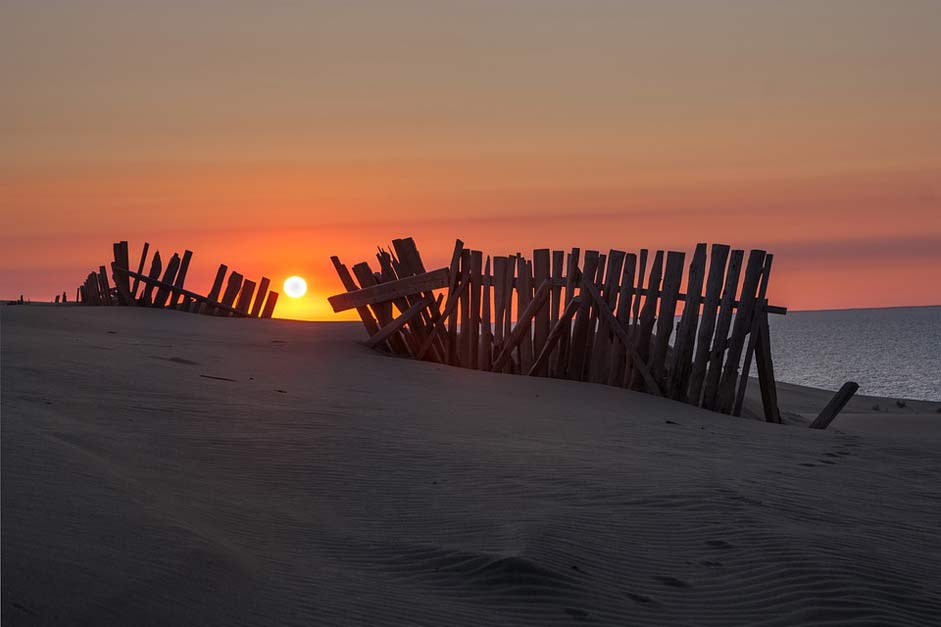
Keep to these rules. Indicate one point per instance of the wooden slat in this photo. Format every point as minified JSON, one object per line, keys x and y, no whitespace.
{"x":104,"y":285}
{"x":393,"y":326}
{"x":270,"y":303}
{"x":499,"y":301}
{"x":767,"y":386}
{"x":382,"y":309}
{"x":559,"y":329}
{"x":605,"y":312}
{"x":753,"y":335}
{"x":541,"y":274}
{"x":681,"y":362}
{"x":672,"y":277}
{"x":452,"y":319}
{"x":384,"y":292}
{"x":524,"y":291}
{"x":641,"y":275}
{"x":180,"y":276}
{"x":555,"y":303}
{"x":121,"y":258}
{"x":140,"y":268}
{"x":707,"y":324}
{"x":523,"y":323}
{"x":410,"y":256}
{"x":723,"y":322}
{"x":580,"y":328}
{"x":465,"y":307}
{"x":623,"y":315}
{"x":508,"y":287}
{"x":169,"y":274}
{"x":485,"y":350}
{"x":473,"y":342}
{"x":122,"y":283}
{"x":743,"y":324}
{"x":645,"y":324}
{"x":835,"y":406}
{"x":388,"y":273}
{"x":365,"y":314}
{"x":206,"y":307}
{"x":260,"y":297}
{"x":245,"y":296}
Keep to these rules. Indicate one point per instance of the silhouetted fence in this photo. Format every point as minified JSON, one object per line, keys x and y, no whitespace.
{"x":604,"y":318}
{"x":164,"y":287}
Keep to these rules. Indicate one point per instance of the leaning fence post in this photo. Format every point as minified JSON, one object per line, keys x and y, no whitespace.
{"x":835,"y":406}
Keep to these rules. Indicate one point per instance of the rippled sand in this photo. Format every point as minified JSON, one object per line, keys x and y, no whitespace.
{"x":165,"y":468}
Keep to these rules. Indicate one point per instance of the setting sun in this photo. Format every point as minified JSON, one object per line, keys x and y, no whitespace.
{"x":295,"y":286}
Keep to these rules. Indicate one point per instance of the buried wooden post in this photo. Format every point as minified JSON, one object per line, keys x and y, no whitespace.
{"x":270,"y":302}
{"x":121,"y":281}
{"x":392,"y":327}
{"x":140,"y":268}
{"x":449,"y":308}
{"x":160,"y":299}
{"x":245,"y":296}
{"x":180,"y":277}
{"x":558,"y":330}
{"x":231,"y":291}
{"x":769,"y":391}
{"x":365,"y":314}
{"x":835,"y":406}
{"x":105,"y":287}
{"x":753,"y":336}
{"x":260,"y":296}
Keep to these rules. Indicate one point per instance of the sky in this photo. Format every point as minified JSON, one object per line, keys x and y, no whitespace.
{"x":271,"y":135}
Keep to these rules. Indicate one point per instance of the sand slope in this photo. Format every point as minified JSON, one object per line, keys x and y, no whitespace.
{"x":312,"y":481}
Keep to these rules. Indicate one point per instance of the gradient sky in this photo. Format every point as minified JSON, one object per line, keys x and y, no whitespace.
{"x":271,"y":135}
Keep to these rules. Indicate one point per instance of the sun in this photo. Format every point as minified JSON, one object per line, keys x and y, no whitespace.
{"x":295,"y":286}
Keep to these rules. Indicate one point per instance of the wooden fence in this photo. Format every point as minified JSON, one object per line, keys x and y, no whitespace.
{"x":164,"y":287}
{"x":604,"y":318}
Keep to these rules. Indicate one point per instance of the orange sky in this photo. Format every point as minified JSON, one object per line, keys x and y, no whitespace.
{"x":270,"y":137}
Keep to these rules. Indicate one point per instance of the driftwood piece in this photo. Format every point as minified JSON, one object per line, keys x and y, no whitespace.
{"x":707,"y":324}
{"x":835,"y":406}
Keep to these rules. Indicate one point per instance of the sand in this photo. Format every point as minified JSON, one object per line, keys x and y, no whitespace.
{"x":170,"y":469}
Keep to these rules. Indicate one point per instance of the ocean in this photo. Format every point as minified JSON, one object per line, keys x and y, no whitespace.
{"x":892,"y":352}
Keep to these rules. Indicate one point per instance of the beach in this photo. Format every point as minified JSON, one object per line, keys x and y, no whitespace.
{"x":166,"y":468}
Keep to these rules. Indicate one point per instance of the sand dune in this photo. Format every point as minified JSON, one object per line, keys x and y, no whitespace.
{"x":164,"y":468}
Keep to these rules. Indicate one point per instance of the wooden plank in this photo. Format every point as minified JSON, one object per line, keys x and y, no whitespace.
{"x":121,"y":258}
{"x":245,"y":296}
{"x":169,"y":274}
{"x":681,"y":363}
{"x":707,"y":325}
{"x":580,"y":328}
{"x":555,"y":303}
{"x":524,"y":291}
{"x":473,"y":342}
{"x":623,"y":315}
{"x":180,"y":276}
{"x":645,"y":324}
{"x":508,"y":287}
{"x":411,"y":264}
{"x":767,"y":386}
{"x":206,"y":307}
{"x":522,"y":328}
{"x":640,"y":284}
{"x":835,"y":406}
{"x":393,"y":326}
{"x":452,"y":320}
{"x":384,"y":292}
{"x":723,"y":323}
{"x":499,"y":301}
{"x":104,"y":286}
{"x":743,"y":324}
{"x":270,"y":303}
{"x":560,"y":367}
{"x":559,"y":330}
{"x":485,"y":350}
{"x":389,"y":273}
{"x":365,"y":314}
{"x":140,"y":268}
{"x":607,"y":314}
{"x":541,"y":274}
{"x":753,"y":336}
{"x":232,"y":288}
{"x":604,"y":337}
{"x":259,"y":299}
{"x":464,"y":307}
